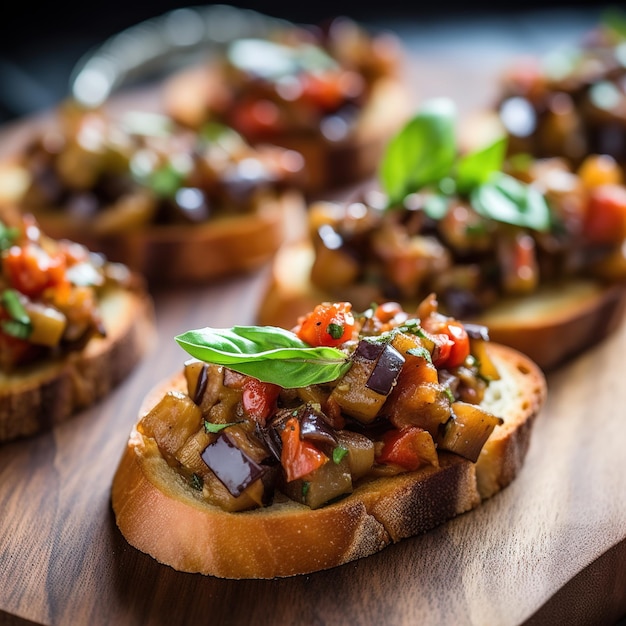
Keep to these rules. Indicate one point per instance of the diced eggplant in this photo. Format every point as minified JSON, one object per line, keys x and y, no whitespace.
{"x":232,"y":466}
{"x":360,"y":452}
{"x":385,"y":374}
{"x":467,"y":430}
{"x":196,"y":374}
{"x":476,"y":331}
{"x":418,"y":399}
{"x":171,"y":422}
{"x":363,"y":390}
{"x":214,"y":492}
{"x":314,"y":427}
{"x":326,"y":483}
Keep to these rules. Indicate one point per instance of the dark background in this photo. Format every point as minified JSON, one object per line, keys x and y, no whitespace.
{"x":41,"y":43}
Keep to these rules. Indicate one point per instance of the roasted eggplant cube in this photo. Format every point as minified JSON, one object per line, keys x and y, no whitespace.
{"x":467,"y":430}
{"x":326,"y":483}
{"x":363,"y":390}
{"x":171,"y":422}
{"x":234,"y":468}
{"x":360,"y":452}
{"x":196,"y":375}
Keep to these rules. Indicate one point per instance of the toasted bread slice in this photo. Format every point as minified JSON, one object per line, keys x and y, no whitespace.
{"x":550,"y":326}
{"x":35,"y":397}
{"x":160,"y":514}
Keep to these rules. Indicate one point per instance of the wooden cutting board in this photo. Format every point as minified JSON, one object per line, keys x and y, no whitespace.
{"x":549,"y":549}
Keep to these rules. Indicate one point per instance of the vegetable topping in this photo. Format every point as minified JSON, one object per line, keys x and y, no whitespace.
{"x":265,"y":413}
{"x":473,"y":227}
{"x":49,"y":293}
{"x":119,"y":174}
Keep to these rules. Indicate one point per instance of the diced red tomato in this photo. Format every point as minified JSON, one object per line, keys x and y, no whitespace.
{"x":31,"y":270}
{"x":605,"y":220}
{"x":329,"y":324}
{"x":402,"y":447}
{"x":259,"y":398}
{"x":452,"y":341}
{"x":256,"y":117}
{"x":298,"y":457}
{"x":325,"y":91}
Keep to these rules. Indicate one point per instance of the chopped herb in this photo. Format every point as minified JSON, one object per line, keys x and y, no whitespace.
{"x":16,"y":329}
{"x":8,"y":236}
{"x":338,"y":453}
{"x":335,"y":330}
{"x":13,"y":306}
{"x":196,"y":482}
{"x":449,"y":393}
{"x":210,"y":427}
{"x":305,"y":489}
{"x":420,"y":351}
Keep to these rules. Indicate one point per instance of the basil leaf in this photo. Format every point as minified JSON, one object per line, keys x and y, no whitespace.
{"x":13,"y":306}
{"x":165,"y":181}
{"x":8,"y":236}
{"x":268,"y":353}
{"x":16,"y":329}
{"x":422,"y":153}
{"x":506,"y":199}
{"x":475,"y":168}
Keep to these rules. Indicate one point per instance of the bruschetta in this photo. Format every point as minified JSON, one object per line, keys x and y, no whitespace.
{"x":569,"y":102}
{"x":174,"y":205}
{"x":529,"y":247}
{"x":335,"y":94}
{"x":274,"y":453}
{"x":72,"y":327}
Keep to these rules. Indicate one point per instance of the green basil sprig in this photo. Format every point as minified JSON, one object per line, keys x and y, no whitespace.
{"x":268,"y":353}
{"x":424,"y":156}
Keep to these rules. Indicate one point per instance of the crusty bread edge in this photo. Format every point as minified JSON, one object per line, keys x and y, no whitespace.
{"x":573,"y":318}
{"x":159,"y":514}
{"x":36,"y":398}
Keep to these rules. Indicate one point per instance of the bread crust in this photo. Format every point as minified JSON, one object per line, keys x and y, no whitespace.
{"x":158,"y":513}
{"x":329,"y":164}
{"x":41,"y":395}
{"x":550,"y":327}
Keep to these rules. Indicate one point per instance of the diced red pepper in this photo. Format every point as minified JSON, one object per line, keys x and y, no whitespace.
{"x":298,"y":457}
{"x":605,"y":220}
{"x":259,"y":398}
{"x":402,"y":447}
{"x":451,"y":339}
{"x":31,"y":270}
{"x":329,"y":324}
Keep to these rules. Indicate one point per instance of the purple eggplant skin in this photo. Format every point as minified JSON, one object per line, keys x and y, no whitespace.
{"x":389,"y":362}
{"x":232,"y":466}
{"x":476,"y":331}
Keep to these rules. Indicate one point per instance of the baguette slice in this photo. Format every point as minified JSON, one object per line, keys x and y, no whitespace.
{"x":550,"y":327}
{"x":328,"y":164}
{"x":40,"y":395}
{"x":158,"y":513}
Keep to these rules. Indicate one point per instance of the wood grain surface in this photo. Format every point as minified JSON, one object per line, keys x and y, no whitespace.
{"x":549,"y":549}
